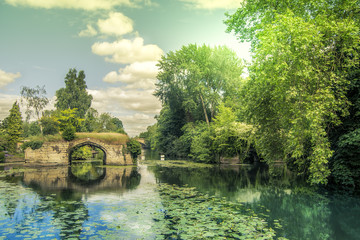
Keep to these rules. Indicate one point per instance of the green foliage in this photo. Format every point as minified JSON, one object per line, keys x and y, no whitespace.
{"x":134,"y":148}
{"x":201,"y":149}
{"x":345,"y":164}
{"x":302,"y":54}
{"x":107,"y":123}
{"x":2,"y":157}
{"x":90,"y":123}
{"x":192,"y":82}
{"x":103,"y":123}
{"x":195,"y":79}
{"x":31,"y":129}
{"x":13,"y":130}
{"x":35,"y":99}
{"x":231,"y":138}
{"x":74,"y":95}
{"x":82,"y":153}
{"x":36,"y":144}
{"x":68,"y":117}
{"x":49,"y":125}
{"x":169,"y":125}
{"x":46,"y":138}
{"x":69,"y":133}
{"x":150,"y":136}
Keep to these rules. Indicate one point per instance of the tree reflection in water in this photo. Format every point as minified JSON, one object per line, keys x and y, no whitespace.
{"x":288,"y":204}
{"x":53,"y":203}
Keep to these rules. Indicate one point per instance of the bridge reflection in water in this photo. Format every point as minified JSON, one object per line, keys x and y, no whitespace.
{"x":82,"y":178}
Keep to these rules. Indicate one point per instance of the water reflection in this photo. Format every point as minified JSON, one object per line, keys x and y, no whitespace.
{"x":121,"y":202}
{"x":82,"y":178}
{"x":87,"y":171}
{"x":52,"y":202}
{"x":283,"y":200}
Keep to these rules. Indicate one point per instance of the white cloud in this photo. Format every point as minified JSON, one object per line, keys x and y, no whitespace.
{"x":117,"y":24}
{"x":6,"y":78}
{"x":213,"y":4}
{"x":135,"y":108}
{"x":88,"y":32}
{"x":137,"y":75}
{"x":137,"y":123}
{"x":89,"y":5}
{"x":118,"y":100}
{"x":6,"y":102}
{"x":127,"y":51}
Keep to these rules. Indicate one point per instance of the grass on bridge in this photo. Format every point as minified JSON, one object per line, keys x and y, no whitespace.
{"x":110,"y":138}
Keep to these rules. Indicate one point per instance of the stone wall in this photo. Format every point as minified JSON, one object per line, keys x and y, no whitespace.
{"x":57,"y":153}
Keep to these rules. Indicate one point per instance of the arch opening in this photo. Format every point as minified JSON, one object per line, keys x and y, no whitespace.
{"x":86,"y":162}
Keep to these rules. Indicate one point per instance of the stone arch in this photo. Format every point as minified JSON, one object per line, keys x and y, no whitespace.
{"x":59,"y":152}
{"x":87,"y":142}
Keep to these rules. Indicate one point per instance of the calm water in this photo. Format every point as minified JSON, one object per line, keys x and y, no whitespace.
{"x":89,"y":202}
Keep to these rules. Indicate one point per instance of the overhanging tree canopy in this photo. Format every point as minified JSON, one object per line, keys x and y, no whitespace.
{"x":303,"y":51}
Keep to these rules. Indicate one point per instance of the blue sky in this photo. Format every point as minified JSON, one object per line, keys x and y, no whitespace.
{"x":116,"y":42}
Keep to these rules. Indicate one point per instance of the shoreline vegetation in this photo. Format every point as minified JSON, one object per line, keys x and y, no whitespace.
{"x":296,"y":103}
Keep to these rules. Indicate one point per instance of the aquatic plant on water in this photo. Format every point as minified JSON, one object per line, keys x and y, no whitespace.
{"x":189,"y":214}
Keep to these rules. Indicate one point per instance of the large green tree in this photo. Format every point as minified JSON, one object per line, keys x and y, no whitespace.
{"x":303,"y":51}
{"x":196,"y":79}
{"x":192,"y":82}
{"x":13,"y":130}
{"x":74,"y":95}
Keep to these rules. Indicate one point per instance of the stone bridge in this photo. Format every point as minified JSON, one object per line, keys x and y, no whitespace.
{"x":58,"y":153}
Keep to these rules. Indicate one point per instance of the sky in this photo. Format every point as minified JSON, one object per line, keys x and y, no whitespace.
{"x":117,"y":43}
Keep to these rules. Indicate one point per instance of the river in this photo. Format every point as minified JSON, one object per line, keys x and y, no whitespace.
{"x":169,"y":200}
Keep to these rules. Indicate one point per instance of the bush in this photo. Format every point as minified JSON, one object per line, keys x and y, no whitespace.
{"x":82,"y":153}
{"x":134,"y":147}
{"x":32,"y":144}
{"x":50,"y":126}
{"x":69,"y":133}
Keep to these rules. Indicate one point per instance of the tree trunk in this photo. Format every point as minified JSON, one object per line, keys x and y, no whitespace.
{"x":205,"y":113}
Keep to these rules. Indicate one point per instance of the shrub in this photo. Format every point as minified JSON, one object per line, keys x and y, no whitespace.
{"x":134,"y":148}
{"x":69,"y":133}
{"x":82,"y":153}
{"x":50,"y":126}
{"x":32,"y":144}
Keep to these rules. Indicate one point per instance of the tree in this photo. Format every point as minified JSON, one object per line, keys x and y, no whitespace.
{"x":90,"y":123}
{"x":197,"y":78}
{"x":49,"y":125}
{"x":230,"y":137}
{"x":192,"y":82}
{"x":31,"y":129}
{"x":74,"y":95}
{"x":67,"y":118}
{"x":134,"y":148}
{"x":150,"y":136}
{"x":117,"y":123}
{"x":302,"y":53}
{"x":35,"y":99}
{"x":69,"y":133}
{"x":13,"y":129}
{"x":345,"y":139}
